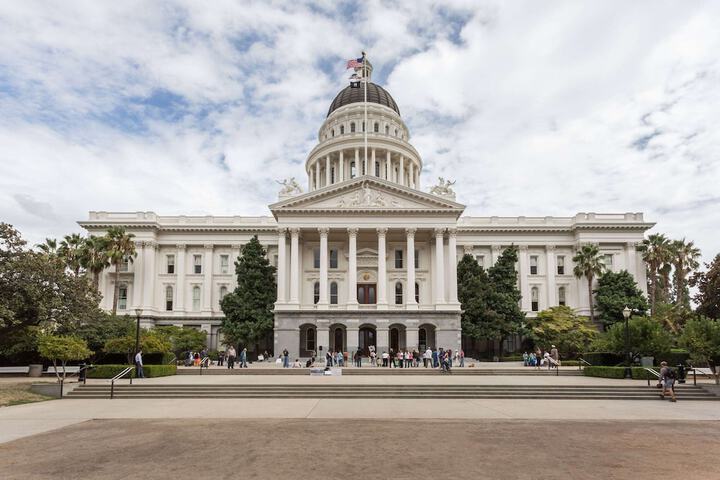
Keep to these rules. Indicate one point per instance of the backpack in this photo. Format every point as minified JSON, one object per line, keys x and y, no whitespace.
{"x":671,"y":374}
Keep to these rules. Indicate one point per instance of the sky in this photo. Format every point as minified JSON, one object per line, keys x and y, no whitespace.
{"x":187,"y":107}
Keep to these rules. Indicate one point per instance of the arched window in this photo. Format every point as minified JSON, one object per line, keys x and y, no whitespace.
{"x":377,"y":169}
{"x":352,"y":127}
{"x":353,"y":173}
{"x":168,"y":298}
{"x":332,"y":132}
{"x":534,"y":294}
{"x":422,"y":337}
{"x":310,"y":340}
{"x":316,"y":292}
{"x":417,"y":292}
{"x":333,"y":293}
{"x":396,"y":132}
{"x":387,"y":129}
{"x":342,"y":129}
{"x":223,"y":292}
{"x":561,"y":296}
{"x":398,"y":293}
{"x":376,"y":127}
{"x":363,"y":126}
{"x":196,"y":299}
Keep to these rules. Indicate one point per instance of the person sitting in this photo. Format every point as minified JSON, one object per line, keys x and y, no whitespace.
{"x":297,"y":364}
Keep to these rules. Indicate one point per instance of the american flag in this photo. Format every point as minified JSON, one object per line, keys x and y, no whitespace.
{"x":354,"y":63}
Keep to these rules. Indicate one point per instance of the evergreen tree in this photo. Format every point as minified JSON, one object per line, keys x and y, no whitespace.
{"x":707,"y":283}
{"x":616,"y":291}
{"x":249,"y":309}
{"x":473,"y":289}
{"x":504,"y":313}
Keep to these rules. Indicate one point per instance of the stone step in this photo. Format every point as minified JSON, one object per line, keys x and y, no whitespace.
{"x":378,"y":371}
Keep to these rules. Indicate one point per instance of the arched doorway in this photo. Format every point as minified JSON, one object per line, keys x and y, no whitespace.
{"x":338,"y":339}
{"x":308,"y":340}
{"x":366,"y":338}
{"x":397,"y":337}
{"x":426,"y":337}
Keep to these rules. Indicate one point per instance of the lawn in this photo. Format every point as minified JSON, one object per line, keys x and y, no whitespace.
{"x":17,"y":394}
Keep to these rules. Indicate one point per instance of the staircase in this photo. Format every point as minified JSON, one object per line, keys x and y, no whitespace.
{"x":565,"y":372}
{"x":558,"y":392}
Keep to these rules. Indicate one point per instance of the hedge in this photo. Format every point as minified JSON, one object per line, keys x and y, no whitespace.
{"x":638,"y":373}
{"x":109,"y":371}
{"x":597,"y":359}
{"x":152,"y":358}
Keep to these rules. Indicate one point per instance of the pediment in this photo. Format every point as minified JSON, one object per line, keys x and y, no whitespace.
{"x":367,"y":194}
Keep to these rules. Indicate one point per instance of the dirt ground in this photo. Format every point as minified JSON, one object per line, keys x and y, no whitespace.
{"x":339,"y":449}
{"x":16,"y":393}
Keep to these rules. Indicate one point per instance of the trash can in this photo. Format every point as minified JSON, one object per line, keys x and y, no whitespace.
{"x":682,"y":373}
{"x":35,"y":370}
{"x":82,"y":373}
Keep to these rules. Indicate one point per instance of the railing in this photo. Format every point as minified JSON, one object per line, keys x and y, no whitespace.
{"x":582,"y":362}
{"x":117,"y":377}
{"x":652,"y":372}
{"x":205,"y":362}
{"x":172,"y":361}
{"x":551,"y":360}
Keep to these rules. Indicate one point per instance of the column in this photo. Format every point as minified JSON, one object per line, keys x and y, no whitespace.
{"x":341,"y":166}
{"x":411,"y":337}
{"x":323,"y":302}
{"x":323,"y":339}
{"x":352,"y":268}
{"x":630,"y":259}
{"x":494,"y":254}
{"x":410,"y":302}
{"x":294,"y":266}
{"x":382,"y":269}
{"x":439,"y":267}
{"x":150,"y":269}
{"x":366,"y":169}
{"x":401,"y":180}
{"x":358,"y":167}
{"x":388,"y":166}
{"x":411,"y":174}
{"x":352,"y":332}
{"x":524,"y":284}
{"x":317,"y":174}
{"x":327,"y":170}
{"x":138,"y":273}
{"x":382,"y":337}
{"x":282,"y":262}
{"x":551,"y":272}
{"x":372,"y":156}
{"x":180,"y":283}
{"x":452,"y":263}
{"x":207,"y":278}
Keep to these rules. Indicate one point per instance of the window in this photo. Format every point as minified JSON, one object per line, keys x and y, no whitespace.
{"x":310,"y":340}
{"x":122,"y":297}
{"x":170,"y":263}
{"x":197,"y":264}
{"x":377,"y":169}
{"x":387,"y":129}
{"x":168,"y":298}
{"x":316,"y":292}
{"x":332,"y":174}
{"x":398,"y":294}
{"x":398,"y":259}
{"x":417,"y":259}
{"x":608,"y":260}
{"x":363,"y":126}
{"x":422,"y":338}
{"x":224,"y":263}
{"x":275,"y":261}
{"x":534,"y":299}
{"x":533,"y":265}
{"x":223,"y":292}
{"x":376,"y":127}
{"x":342,"y":129}
{"x":480,"y":259}
{"x":561,"y":265}
{"x":417,"y":293}
{"x":333,"y":293}
{"x":396,"y":132}
{"x":352,"y":170}
{"x":196,"y":298}
{"x":316,"y":258}
{"x":561,"y":296}
{"x":333,"y":258}
{"x":352,"y":127}
{"x":125,"y":264}
{"x":332,"y":132}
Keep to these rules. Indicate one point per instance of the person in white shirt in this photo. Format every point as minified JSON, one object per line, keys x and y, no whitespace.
{"x":139,"y":365}
{"x":427,"y":358}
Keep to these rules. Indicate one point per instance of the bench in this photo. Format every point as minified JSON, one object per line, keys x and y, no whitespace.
{"x":14,"y":370}
{"x":70,"y":369}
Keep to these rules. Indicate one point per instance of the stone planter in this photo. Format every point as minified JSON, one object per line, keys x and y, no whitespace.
{"x":647,"y":361}
{"x":47,"y":389}
{"x":35,"y":370}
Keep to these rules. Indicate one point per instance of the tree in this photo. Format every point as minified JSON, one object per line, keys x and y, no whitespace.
{"x":151,"y":341}
{"x":701,"y":336}
{"x":616,"y":291}
{"x":121,"y":247}
{"x":563,"y":327}
{"x":103,"y":328}
{"x":184,"y":339}
{"x":70,"y":252}
{"x":60,"y":348}
{"x":249,"y":308}
{"x":504,"y":313}
{"x":589,"y":264}
{"x":657,"y":255}
{"x":685,"y":260}
{"x":49,"y":247}
{"x":473,"y":290}
{"x":707,"y":283}
{"x":95,"y":257}
{"x":646,"y":338}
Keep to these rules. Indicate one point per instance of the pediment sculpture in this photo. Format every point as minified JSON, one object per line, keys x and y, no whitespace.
{"x":443,"y":189}
{"x":366,"y":198}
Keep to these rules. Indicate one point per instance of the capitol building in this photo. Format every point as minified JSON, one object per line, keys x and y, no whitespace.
{"x":365,"y":256}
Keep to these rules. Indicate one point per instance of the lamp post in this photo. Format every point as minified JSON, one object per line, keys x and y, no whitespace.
{"x":626,"y":314}
{"x":138,"y":312}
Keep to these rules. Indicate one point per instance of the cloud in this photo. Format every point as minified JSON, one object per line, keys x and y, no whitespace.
{"x":183,"y":107}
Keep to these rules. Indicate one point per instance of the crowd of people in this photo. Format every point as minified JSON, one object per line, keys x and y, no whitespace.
{"x":539,"y":359}
{"x":403,"y":358}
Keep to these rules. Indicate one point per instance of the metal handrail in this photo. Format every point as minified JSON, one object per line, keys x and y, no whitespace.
{"x":653,"y":372}
{"x":172,"y":360}
{"x":86,"y":367}
{"x":117,"y":377}
{"x":204,"y":362}
{"x":582,"y":361}
{"x":557,"y":365}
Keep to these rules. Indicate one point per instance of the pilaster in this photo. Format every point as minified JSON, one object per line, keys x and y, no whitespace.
{"x":352,"y":302}
{"x":382,"y":269}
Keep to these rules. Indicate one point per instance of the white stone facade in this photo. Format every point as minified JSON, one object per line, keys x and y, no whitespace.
{"x":347,"y":277}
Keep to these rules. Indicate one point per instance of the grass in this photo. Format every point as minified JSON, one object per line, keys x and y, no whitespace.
{"x":18,"y":394}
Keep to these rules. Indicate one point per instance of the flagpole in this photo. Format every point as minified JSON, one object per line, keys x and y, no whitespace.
{"x":365,"y":129}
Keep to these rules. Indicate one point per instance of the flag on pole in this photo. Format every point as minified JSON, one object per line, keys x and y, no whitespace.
{"x":354,"y":63}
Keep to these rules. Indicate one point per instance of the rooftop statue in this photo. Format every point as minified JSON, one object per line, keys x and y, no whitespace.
{"x":443,"y":188}
{"x":290,"y":188}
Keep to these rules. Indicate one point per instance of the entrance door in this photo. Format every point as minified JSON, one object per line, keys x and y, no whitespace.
{"x":394,"y":339}
{"x":365,"y":339}
{"x":339,"y":347}
{"x":366,"y":293}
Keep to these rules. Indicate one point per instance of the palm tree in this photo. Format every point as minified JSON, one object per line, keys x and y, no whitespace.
{"x":94,"y":257}
{"x":70,"y":251}
{"x":589,"y":264}
{"x":685,"y":260}
{"x":121,"y":247}
{"x":48,"y":248}
{"x":657,"y":255}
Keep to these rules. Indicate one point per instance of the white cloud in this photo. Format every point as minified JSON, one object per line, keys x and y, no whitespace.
{"x":539,"y":108}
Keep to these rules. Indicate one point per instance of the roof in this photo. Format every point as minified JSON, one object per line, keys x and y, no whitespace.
{"x":375,"y":94}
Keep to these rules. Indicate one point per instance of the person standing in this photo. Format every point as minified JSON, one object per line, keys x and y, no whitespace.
{"x":555,"y":355}
{"x":231,"y":354}
{"x":373,"y":358}
{"x":667,"y":382}
{"x":461,"y":354}
{"x":139,"y":365}
{"x":243,"y":358}
{"x":221,"y":358}
{"x":384,"y":359}
{"x":286,"y":358}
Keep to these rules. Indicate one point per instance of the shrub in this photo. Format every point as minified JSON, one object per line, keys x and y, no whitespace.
{"x":599,"y":359}
{"x":109,"y":371}
{"x":676,"y":356}
{"x":638,"y":373}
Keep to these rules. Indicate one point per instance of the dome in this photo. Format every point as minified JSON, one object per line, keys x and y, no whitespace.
{"x":375,"y":94}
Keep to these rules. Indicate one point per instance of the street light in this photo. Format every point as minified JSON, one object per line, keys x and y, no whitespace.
{"x":138,"y":312}
{"x":626,"y":314}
